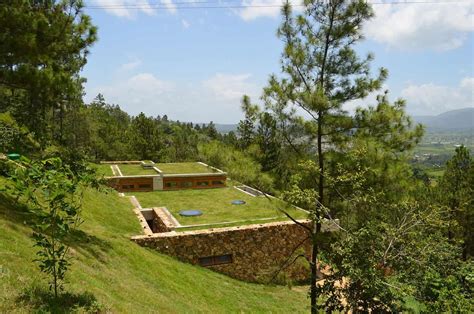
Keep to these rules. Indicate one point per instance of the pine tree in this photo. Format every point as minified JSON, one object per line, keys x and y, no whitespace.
{"x":43,"y":47}
{"x":246,"y":127}
{"x":321,"y":73}
{"x":456,"y":189}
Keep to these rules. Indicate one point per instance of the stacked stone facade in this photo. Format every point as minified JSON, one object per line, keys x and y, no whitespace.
{"x":253,"y":252}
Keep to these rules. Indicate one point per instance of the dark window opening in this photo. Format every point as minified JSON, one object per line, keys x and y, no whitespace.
{"x":186,"y":184}
{"x":151,"y":224}
{"x":128,"y":186}
{"x":217,"y":182}
{"x":144,"y":186}
{"x":215,"y":260}
{"x":171,"y":184}
{"x":202,"y":183}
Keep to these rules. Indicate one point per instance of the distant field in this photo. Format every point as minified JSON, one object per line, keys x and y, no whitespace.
{"x":216,"y":206}
{"x":184,"y":167}
{"x":435,"y":173}
{"x":135,"y":169}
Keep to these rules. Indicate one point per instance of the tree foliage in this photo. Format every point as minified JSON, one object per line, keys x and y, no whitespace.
{"x":43,"y":47}
{"x":53,"y":193}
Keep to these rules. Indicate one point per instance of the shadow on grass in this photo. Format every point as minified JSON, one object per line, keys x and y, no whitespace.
{"x":80,"y":240}
{"x":41,"y":300}
{"x":18,"y":214}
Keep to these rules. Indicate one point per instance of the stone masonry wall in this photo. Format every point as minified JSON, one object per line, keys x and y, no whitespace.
{"x":257,"y":250}
{"x":161,"y":222}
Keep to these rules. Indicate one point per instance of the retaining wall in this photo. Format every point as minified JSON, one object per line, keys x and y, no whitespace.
{"x":251,"y":253}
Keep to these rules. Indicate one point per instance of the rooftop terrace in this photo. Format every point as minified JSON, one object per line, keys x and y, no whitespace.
{"x":184,"y":168}
{"x":135,"y":169}
{"x":217,"y":208}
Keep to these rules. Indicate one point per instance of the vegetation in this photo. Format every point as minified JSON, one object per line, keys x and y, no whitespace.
{"x":52,"y":193}
{"x":133,"y":170}
{"x":216,"y":205}
{"x":184,"y":167}
{"x":102,"y":169}
{"x":110,"y":273}
{"x":404,"y":242}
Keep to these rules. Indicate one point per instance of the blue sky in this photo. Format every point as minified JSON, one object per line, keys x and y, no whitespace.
{"x":195,"y":64}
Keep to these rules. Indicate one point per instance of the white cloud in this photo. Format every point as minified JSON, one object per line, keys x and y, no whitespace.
{"x":130,"y":8}
{"x":263,"y":8}
{"x":421,"y":26}
{"x":114,"y":7}
{"x":432,"y":99}
{"x":129,"y":66}
{"x":136,"y":92}
{"x":185,"y":23}
{"x":216,"y":98}
{"x":230,"y":86}
{"x":170,"y":6}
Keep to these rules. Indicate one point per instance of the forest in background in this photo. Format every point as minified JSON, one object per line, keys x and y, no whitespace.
{"x":403,"y":244}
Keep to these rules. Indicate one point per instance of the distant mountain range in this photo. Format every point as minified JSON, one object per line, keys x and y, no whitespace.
{"x":225,"y":128}
{"x":460,"y":119}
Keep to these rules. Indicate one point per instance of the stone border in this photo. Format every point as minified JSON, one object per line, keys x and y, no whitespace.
{"x":116,"y":170}
{"x":120,"y":162}
{"x":217,"y":169}
{"x":169,"y":223}
{"x":246,"y":192}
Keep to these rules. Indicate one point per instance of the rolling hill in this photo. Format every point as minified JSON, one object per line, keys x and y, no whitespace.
{"x":461,"y":119}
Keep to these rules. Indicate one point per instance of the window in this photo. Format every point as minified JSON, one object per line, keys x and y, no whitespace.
{"x":171,"y":184}
{"x":215,"y":260}
{"x":127,"y":186}
{"x":186,"y":184}
{"x":202,"y":183}
{"x":217,"y":182}
{"x":144,"y":186}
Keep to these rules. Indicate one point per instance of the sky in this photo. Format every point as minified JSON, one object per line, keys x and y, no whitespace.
{"x":195,"y":65}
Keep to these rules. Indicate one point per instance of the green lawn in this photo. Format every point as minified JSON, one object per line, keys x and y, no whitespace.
{"x":103,"y":169}
{"x":183,"y":167}
{"x":135,"y":169}
{"x":216,"y":205}
{"x":122,"y":276}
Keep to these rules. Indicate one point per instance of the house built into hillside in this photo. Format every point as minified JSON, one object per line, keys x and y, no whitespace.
{"x":237,"y":230}
{"x":147,"y":176}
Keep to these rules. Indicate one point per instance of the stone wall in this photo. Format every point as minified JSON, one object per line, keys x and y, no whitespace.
{"x":161,"y":221}
{"x":256,"y":251}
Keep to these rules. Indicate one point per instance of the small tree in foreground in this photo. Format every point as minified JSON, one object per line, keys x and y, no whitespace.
{"x":53,"y":194}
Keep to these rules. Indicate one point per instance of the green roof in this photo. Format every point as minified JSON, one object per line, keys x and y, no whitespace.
{"x":183,"y":168}
{"x":216,"y":206}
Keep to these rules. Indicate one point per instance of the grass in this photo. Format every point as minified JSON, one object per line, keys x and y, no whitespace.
{"x":435,"y":173}
{"x":135,"y":169}
{"x":216,"y":205}
{"x":183,"y":167}
{"x":110,"y":271}
{"x":103,"y":169}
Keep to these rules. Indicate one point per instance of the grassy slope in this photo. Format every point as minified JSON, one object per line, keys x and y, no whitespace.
{"x":215,"y":205}
{"x":123,"y":276}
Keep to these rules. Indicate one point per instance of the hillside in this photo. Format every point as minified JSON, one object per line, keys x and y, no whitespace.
{"x":461,"y":119}
{"x":120,"y":275}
